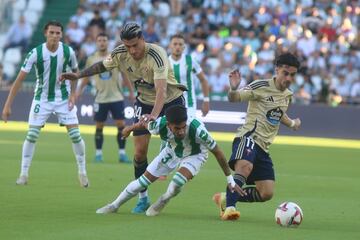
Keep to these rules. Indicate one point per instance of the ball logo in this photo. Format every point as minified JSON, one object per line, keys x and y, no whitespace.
{"x":274,"y":115}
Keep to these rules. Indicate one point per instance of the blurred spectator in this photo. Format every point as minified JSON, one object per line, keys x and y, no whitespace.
{"x":75,"y":35}
{"x":96,"y":25}
{"x":18,"y":35}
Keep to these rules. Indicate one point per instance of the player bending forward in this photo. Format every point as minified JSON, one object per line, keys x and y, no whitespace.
{"x":187,"y":146}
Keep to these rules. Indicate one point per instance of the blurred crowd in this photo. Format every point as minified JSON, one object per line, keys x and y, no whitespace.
{"x":243,"y":34}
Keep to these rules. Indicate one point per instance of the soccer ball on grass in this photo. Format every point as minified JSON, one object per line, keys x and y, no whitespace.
{"x":288,"y":214}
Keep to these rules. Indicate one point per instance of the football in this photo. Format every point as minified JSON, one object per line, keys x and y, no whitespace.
{"x":288,"y":214}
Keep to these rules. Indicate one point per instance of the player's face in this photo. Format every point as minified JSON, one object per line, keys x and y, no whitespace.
{"x":177,"y":46}
{"x":136,"y":47}
{"x":53,"y":34}
{"x":178,"y":130}
{"x":285,"y":75}
{"x":102,"y":43}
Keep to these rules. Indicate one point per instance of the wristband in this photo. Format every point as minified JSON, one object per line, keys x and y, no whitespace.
{"x":292,"y":123}
{"x":206,"y":99}
{"x":230,"y":180}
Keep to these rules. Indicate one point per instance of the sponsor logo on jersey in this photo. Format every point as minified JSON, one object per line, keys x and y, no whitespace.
{"x":274,"y":115}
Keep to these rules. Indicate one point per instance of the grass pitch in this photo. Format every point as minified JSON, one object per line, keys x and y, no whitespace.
{"x":322,"y":180}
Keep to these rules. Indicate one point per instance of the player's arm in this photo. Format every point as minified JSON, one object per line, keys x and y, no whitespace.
{"x":234,"y":81}
{"x":220,"y":157}
{"x":80,"y":89}
{"x":294,"y":124}
{"x":160,"y":88}
{"x":13,"y":91}
{"x":94,"y":69}
{"x":144,"y":123}
{"x":205,"y":89}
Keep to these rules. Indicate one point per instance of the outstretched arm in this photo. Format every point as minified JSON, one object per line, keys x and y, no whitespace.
{"x":13,"y":91}
{"x":205,"y":89}
{"x":234,"y":80}
{"x":294,"y":124}
{"x":220,"y":157}
{"x":96,"y":68}
{"x":142,"y":124}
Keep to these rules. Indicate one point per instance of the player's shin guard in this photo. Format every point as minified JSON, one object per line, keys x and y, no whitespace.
{"x":121,"y":141}
{"x":175,"y":186}
{"x":233,"y":197}
{"x":99,"y":138}
{"x":253,"y":195}
{"x":131,"y":190}
{"x":78,"y":148}
{"x":28,"y":150}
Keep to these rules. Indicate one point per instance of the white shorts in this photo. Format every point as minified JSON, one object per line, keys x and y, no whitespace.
{"x":40,"y":111}
{"x":167,"y":161}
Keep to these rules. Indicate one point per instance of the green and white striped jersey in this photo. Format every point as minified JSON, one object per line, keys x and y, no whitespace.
{"x":184,"y":70}
{"x":197,"y":139}
{"x":49,"y":66}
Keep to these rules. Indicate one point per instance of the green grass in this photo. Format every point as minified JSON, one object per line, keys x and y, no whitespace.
{"x":323,"y":181}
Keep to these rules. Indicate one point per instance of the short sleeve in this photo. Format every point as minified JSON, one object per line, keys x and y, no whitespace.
{"x":112,"y":60}
{"x":196,"y":67}
{"x":155,"y":127}
{"x":29,"y":61}
{"x":73,"y":60}
{"x":203,"y":136}
{"x":160,"y":63}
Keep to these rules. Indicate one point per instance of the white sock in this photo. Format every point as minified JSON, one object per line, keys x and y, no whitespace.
{"x":172,"y":190}
{"x":129,"y":192}
{"x":79,"y":151}
{"x":27,"y":155}
{"x":98,"y":152}
{"x":143,"y":194}
{"x":122,"y":151}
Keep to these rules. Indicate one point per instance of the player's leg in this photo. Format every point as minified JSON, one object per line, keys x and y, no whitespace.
{"x":189,"y":167}
{"x":99,"y":140}
{"x":69,"y":119}
{"x":117,"y":112}
{"x":100,"y":116}
{"x":39,"y":113}
{"x":153,"y":171}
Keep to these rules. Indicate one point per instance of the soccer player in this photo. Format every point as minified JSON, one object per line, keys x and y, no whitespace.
{"x":147,"y":66}
{"x":187,"y":147}
{"x":185,"y":67}
{"x":109,"y":98}
{"x":50,"y":60}
{"x":250,"y":159}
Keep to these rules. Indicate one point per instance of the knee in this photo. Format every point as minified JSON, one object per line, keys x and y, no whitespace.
{"x":266,"y":195}
{"x":33,"y":134}
{"x":140,"y":155}
{"x":74,"y":134}
{"x":243,"y":167}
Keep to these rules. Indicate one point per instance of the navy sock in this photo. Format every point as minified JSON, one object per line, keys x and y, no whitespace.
{"x":253,"y":195}
{"x":139,"y":169}
{"x":233,"y":197}
{"x":121,"y":141}
{"x":99,"y":138}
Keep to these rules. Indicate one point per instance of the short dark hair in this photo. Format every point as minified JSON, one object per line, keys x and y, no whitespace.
{"x":178,"y":35}
{"x":53,"y":23}
{"x":288,"y":59}
{"x":176,"y":114}
{"x":130,"y":30}
{"x":102,"y":35}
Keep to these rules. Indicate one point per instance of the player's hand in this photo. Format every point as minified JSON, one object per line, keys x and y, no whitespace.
{"x":237,"y":189}
{"x":126,"y":131}
{"x":205,"y":108}
{"x":234,"y":79}
{"x":297,"y":124}
{"x":71,"y":102}
{"x":69,"y":76}
{"x":6,"y":113}
{"x":146,"y":118}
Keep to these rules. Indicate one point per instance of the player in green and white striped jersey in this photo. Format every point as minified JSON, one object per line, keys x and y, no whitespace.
{"x":50,"y":60}
{"x":188,"y":142}
{"x":186,"y":69}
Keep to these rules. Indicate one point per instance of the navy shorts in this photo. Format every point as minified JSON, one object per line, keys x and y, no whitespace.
{"x":141,"y":109}
{"x":102,"y":111}
{"x":244,"y":148}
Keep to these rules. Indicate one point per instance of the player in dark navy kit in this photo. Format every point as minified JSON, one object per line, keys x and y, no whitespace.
{"x":268,"y":101}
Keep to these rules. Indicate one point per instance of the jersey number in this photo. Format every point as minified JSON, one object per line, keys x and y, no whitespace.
{"x":250,"y":143}
{"x":166,"y":158}
{"x":138,"y":111}
{"x":37,"y":108}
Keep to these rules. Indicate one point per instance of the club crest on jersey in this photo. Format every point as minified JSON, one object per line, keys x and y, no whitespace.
{"x":274,"y":115}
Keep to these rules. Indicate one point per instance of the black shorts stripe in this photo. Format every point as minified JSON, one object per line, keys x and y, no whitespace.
{"x":159,"y":61}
